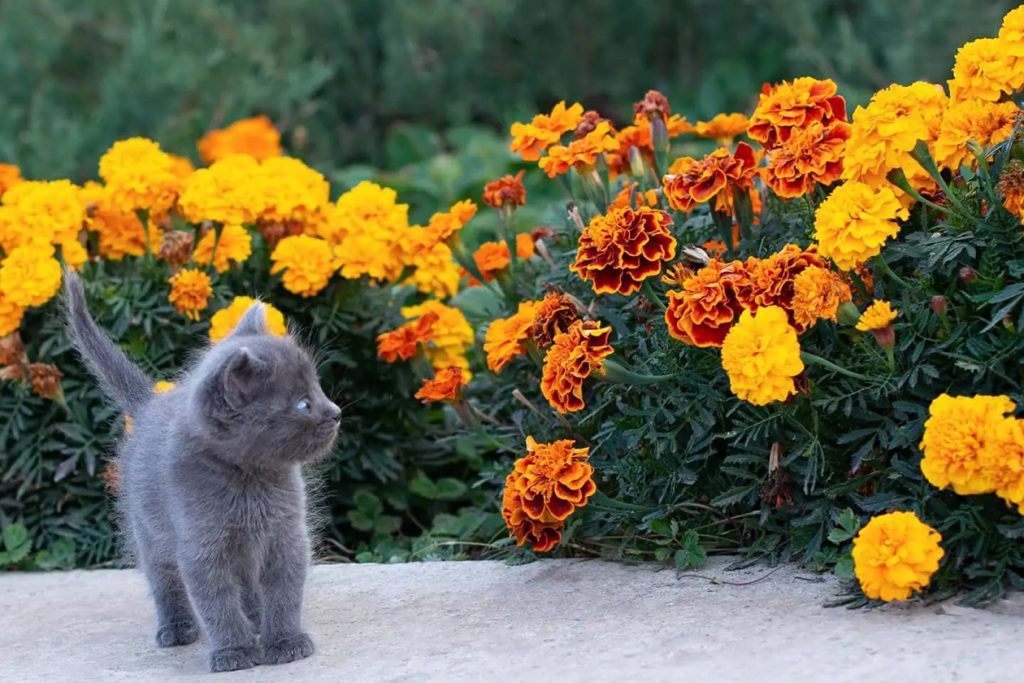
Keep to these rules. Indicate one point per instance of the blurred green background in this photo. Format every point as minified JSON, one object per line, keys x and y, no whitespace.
{"x":346,"y":79}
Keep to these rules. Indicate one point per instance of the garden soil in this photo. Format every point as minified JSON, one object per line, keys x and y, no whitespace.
{"x":553,"y":620}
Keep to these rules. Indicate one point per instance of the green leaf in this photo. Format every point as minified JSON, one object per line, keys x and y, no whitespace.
{"x":387,"y":524}
{"x":662,"y":527}
{"x":844,"y":568}
{"x":367,"y":503}
{"x":662,"y":554}
{"x":422,"y":486}
{"x":846,"y":529}
{"x":691,"y":554}
{"x":17,"y":542}
{"x":450,"y":489}
{"x":360,"y":520}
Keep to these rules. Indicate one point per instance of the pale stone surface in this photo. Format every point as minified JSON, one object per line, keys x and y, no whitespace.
{"x":554,"y":620}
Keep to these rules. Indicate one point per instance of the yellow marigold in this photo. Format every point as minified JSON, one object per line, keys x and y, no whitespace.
{"x":10,"y":313}
{"x":307,"y":262}
{"x":854,"y":222}
{"x":505,"y":191}
{"x":761,"y":355}
{"x":575,"y":355}
{"x":958,"y":430}
{"x":884,"y":133}
{"x":224,"y":321}
{"x":120,"y":233}
{"x":404,"y":342}
{"x":554,"y":314}
{"x":190,"y":291}
{"x":879,"y":315}
{"x":73,"y":254}
{"x":435,"y":270}
{"x":10,"y":175}
{"x":1011,"y":187}
{"x":530,"y":139}
{"x":235,"y":244}
{"x":894,"y":555}
{"x":810,"y":155}
{"x":817,"y":294}
{"x":580,"y":154}
{"x":290,"y":190}
{"x":505,"y":336}
{"x":227,"y":192}
{"x":162,"y":386}
{"x":30,"y":275}
{"x":1002,"y":461}
{"x":255,"y":137}
{"x":369,"y":229}
{"x":544,"y":488}
{"x":792,"y":105}
{"x":451,"y":335}
{"x":722,"y":128}
{"x":40,"y":212}
{"x":984,"y":70}
{"x":986,"y":123}
{"x":140,"y":176}
{"x":445,"y":385}
{"x":621,"y":249}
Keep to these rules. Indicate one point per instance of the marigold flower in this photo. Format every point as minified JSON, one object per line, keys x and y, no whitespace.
{"x":289,"y":190}
{"x":30,"y":275}
{"x":190,"y":291}
{"x":505,"y":191}
{"x":653,"y":105}
{"x":176,"y":248}
{"x":435,"y":270}
{"x":530,"y":139}
{"x":690,"y":182}
{"x":40,"y":213}
{"x":1002,"y":460}
{"x":984,"y":70}
{"x":45,"y":380}
{"x":404,"y":342}
{"x":791,"y":105}
{"x":443,"y":225}
{"x":525,"y":246}
{"x":140,"y":176}
{"x":227,"y":192}
{"x":581,"y":154}
{"x":368,"y":228}
{"x":555,"y":314}
{"x":10,"y":313}
{"x":255,"y":137}
{"x":770,"y":281}
{"x":544,"y":488}
{"x":722,"y":128}
{"x":621,"y":249}
{"x":810,"y":155}
{"x":234,"y":244}
{"x":10,"y":175}
{"x":894,"y":555}
{"x":491,"y":258}
{"x":575,"y":355}
{"x":629,"y":198}
{"x":162,"y":386}
{"x":884,"y":133}
{"x":224,"y":321}
{"x":817,"y":294}
{"x":638,"y":136}
{"x":956,"y":433}
{"x":73,"y":254}
{"x":703,"y":312}
{"x":761,"y":355}
{"x":1011,"y":187}
{"x":121,"y":233}
{"x":986,"y":123}
{"x":451,"y":333}
{"x":307,"y":262}
{"x":854,"y":222}
{"x":879,"y":315}
{"x":445,"y":385}
{"x":505,"y":336}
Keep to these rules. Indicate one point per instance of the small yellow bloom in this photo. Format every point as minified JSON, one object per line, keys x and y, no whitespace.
{"x":10,"y":315}
{"x":162,"y":386}
{"x":878,"y":316}
{"x":451,"y":335}
{"x":30,"y":275}
{"x":235,"y":244}
{"x":140,"y":176}
{"x":190,"y":291}
{"x":853,"y":223}
{"x":894,"y":555}
{"x":761,"y":355}
{"x":224,"y":321}
{"x":307,"y":262}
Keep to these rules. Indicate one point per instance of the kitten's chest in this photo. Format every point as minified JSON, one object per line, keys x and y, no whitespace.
{"x":258,"y":505}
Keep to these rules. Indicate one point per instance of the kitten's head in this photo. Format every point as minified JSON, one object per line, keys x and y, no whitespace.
{"x":260,"y":397}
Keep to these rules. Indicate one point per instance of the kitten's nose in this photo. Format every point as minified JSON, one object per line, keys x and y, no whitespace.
{"x":333,"y":412}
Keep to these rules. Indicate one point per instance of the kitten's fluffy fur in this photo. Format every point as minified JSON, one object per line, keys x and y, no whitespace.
{"x":211,"y":493}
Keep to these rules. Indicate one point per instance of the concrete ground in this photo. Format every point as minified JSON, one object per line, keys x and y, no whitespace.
{"x":554,"y":620}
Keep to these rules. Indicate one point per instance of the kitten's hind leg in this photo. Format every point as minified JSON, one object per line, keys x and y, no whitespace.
{"x":176,"y":623}
{"x":284,"y":577}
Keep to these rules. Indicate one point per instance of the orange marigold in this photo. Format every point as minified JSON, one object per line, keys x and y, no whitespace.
{"x":554,"y":315}
{"x":771,"y":281}
{"x":722,"y":128}
{"x":530,"y":139}
{"x":690,"y":182}
{"x":445,"y":385}
{"x":621,"y":249}
{"x":986,"y":123}
{"x":525,"y":245}
{"x":817,"y":293}
{"x":506,"y":191}
{"x":581,"y":154}
{"x":703,"y":312}
{"x":794,"y":104}
{"x":984,"y":70}
{"x":810,"y":155}
{"x":256,"y":137}
{"x":575,"y":355}
{"x":504,"y":339}
{"x":544,"y":488}
{"x":403,"y":343}
{"x":491,"y":258}
{"x":1011,"y":186}
{"x":10,"y":175}
{"x":190,"y":291}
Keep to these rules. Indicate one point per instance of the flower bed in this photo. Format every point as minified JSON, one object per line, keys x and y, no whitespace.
{"x":800,"y":345}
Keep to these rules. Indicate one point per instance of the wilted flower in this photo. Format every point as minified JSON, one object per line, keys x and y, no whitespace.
{"x":176,"y":248}
{"x":505,"y":336}
{"x":45,"y":380}
{"x":703,"y":312}
{"x":1011,"y":187}
{"x":894,"y":555}
{"x":255,"y":137}
{"x":307,"y":262}
{"x":690,"y":182}
{"x":224,"y":321}
{"x":190,"y":291}
{"x":761,"y":355}
{"x":653,"y":105}
{"x":445,"y":385}
{"x":621,"y":249}
{"x":505,"y":191}
{"x":853,"y":223}
{"x":792,"y":105}
{"x":575,"y":355}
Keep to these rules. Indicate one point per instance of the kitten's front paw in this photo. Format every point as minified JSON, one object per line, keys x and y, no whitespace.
{"x":233,"y":659}
{"x":177,"y":633}
{"x":288,"y":649}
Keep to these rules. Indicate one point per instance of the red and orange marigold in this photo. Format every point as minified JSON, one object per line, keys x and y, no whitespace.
{"x":690,"y":182}
{"x":703,"y":312}
{"x":554,"y":314}
{"x":771,"y":280}
{"x":505,"y":337}
{"x":543,"y":489}
{"x":445,"y":385}
{"x":403,"y":343}
{"x":791,"y":105}
{"x":506,"y":191}
{"x":575,"y":355}
{"x":621,"y":249}
{"x":810,"y":155}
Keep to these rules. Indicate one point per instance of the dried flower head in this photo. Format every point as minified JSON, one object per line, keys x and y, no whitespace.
{"x":1011,"y":187}
{"x":176,"y":248}
{"x":653,"y":105}
{"x":45,"y":380}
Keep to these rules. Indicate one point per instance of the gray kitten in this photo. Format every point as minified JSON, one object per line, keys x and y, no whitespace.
{"x":211,"y":493}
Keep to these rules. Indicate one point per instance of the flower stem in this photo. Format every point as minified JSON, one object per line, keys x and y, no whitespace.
{"x":883,"y":265}
{"x":812,"y":359}
{"x":648,"y":291}
{"x":619,"y":374}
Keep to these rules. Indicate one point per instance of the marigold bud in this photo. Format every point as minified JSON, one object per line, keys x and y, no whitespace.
{"x":654,"y":104}
{"x":939,"y":304}
{"x":968,"y":275}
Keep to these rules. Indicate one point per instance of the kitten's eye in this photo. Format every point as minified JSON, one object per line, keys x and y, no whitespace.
{"x":302,"y":405}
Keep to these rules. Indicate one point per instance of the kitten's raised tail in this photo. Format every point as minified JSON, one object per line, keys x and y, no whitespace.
{"x":120,"y":377}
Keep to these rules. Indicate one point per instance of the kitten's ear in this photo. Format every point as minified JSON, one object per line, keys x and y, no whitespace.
{"x":244,"y":375}
{"x":254,"y":321}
